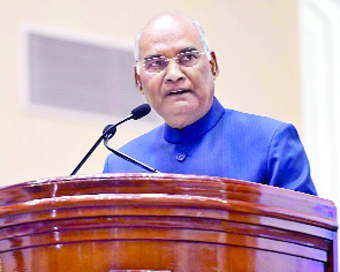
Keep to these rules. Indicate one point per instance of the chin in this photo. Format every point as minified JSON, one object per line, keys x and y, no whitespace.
{"x":183,"y":109}
{"x":181,"y":118}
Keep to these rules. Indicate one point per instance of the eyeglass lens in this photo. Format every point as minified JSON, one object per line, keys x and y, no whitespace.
{"x":158,"y":64}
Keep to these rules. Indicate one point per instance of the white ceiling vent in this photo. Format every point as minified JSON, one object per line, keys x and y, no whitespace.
{"x":78,"y":73}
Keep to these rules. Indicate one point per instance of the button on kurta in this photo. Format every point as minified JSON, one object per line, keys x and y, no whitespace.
{"x":181,"y":157}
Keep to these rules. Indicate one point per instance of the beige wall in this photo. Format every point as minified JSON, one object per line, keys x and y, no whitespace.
{"x":255,"y":42}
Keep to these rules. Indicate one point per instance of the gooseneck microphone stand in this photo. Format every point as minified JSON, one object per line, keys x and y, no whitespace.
{"x":108,"y":133}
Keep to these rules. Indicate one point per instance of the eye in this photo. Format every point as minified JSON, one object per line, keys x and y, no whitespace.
{"x":189,"y":59}
{"x":155,"y":63}
{"x":189,"y":56}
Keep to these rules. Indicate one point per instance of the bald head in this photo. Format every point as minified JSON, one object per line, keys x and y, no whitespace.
{"x":168,"y":18}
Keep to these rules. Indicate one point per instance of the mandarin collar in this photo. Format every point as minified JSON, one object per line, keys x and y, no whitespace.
{"x":196,"y":129}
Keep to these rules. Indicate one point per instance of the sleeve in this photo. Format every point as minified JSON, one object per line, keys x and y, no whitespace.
{"x":287,"y":162}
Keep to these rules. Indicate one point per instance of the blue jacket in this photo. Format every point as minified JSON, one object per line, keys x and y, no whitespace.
{"x":224,"y":143}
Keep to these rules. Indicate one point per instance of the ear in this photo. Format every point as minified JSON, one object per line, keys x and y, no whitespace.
{"x":138,"y":81}
{"x":214,"y":66}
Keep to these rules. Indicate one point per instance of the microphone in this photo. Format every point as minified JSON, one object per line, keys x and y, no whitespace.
{"x":136,"y":114}
{"x":110,"y":130}
{"x":141,"y":111}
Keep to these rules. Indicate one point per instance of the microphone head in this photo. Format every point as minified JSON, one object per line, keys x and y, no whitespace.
{"x":140,"y":111}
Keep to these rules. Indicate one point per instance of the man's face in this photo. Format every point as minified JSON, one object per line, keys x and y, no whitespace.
{"x":181,"y":95}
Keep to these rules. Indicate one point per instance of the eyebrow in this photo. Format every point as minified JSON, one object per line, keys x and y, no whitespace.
{"x":188,"y":49}
{"x":153,"y":56}
{"x":184,"y":50}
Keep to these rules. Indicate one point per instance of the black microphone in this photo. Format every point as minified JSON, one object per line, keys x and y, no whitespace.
{"x":110,"y":130}
{"x":136,"y":114}
{"x":141,"y":111}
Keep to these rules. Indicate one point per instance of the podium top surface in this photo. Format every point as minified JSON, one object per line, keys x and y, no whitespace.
{"x":170,"y":189}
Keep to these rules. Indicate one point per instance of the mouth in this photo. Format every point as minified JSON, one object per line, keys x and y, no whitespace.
{"x":178,"y":92}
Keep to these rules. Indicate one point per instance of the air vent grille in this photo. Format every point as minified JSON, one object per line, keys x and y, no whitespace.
{"x":80,"y":75}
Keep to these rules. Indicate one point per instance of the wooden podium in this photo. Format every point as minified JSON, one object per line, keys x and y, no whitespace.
{"x":163,"y":222}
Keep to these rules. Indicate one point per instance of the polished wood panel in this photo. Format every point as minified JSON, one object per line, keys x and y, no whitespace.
{"x":163,"y":222}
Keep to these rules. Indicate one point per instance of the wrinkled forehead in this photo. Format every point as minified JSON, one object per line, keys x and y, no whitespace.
{"x":169,"y":35}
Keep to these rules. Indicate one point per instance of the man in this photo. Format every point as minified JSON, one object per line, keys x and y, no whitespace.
{"x":176,"y":72}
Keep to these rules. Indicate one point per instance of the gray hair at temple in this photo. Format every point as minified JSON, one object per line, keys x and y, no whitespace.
{"x":203,"y":39}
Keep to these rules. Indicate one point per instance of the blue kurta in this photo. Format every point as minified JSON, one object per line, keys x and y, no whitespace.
{"x":224,"y":143}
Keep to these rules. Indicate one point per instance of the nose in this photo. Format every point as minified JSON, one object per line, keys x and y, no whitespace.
{"x":173,"y":72}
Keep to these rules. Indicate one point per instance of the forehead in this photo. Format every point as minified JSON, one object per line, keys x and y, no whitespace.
{"x":168,"y":36}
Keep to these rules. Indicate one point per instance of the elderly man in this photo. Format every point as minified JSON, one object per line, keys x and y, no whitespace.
{"x":176,"y":72}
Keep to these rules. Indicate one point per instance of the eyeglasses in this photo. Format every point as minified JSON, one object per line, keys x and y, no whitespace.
{"x":158,"y":64}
